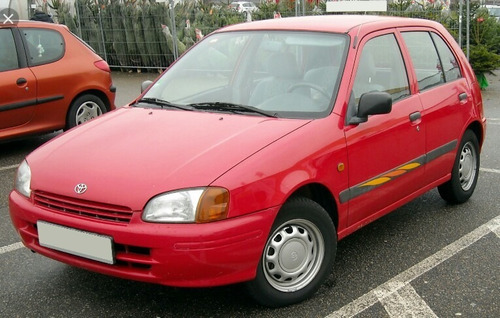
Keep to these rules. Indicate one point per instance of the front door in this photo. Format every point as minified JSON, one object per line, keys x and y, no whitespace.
{"x":17,"y":85}
{"x":385,"y":153}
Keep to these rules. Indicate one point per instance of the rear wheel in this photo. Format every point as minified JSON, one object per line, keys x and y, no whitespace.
{"x":465,"y":171}
{"x":298,"y":255}
{"x":84,"y":108}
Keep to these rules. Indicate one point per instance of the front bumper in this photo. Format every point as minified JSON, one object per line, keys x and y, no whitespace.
{"x":187,"y":255}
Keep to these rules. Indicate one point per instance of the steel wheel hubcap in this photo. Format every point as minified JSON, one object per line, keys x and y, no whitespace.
{"x":293,"y":255}
{"x":467,"y":166}
{"x":87,"y":111}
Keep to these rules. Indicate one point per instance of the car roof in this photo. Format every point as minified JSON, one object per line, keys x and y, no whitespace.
{"x":37,"y":24}
{"x":331,"y":23}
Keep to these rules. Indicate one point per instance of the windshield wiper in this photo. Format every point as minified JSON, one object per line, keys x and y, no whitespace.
{"x":234,"y":108}
{"x":160,"y":102}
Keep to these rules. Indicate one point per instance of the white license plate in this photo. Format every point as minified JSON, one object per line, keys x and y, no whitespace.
{"x":85,"y":244}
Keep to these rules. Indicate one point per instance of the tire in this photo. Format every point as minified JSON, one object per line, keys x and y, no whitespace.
{"x":84,"y":108}
{"x":298,"y":255}
{"x":465,"y":171}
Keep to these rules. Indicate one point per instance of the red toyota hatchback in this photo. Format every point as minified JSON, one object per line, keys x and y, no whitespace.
{"x":253,"y":154}
{"x":49,"y":79}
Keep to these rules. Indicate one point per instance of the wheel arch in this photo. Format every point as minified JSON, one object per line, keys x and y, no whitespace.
{"x":321,"y":195}
{"x":478,"y":130}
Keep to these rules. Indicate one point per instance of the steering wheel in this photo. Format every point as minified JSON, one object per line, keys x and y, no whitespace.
{"x":310,"y":85}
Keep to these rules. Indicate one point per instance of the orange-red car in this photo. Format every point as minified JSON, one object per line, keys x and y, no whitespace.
{"x":49,"y":79}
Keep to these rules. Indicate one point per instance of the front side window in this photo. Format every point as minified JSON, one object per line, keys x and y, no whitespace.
{"x":381,"y":68}
{"x":8,"y":53}
{"x":44,"y":46}
{"x":425,"y":59}
{"x":280,"y":73}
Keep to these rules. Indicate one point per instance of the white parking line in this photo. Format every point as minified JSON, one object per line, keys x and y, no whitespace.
{"x":9,"y":167}
{"x":493,"y":121}
{"x":489,"y":170}
{"x":403,"y":279}
{"x":11,"y":247}
{"x":401,"y":300}
{"x":495,"y":228}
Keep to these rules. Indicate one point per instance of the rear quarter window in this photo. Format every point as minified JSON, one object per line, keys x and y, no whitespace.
{"x":450,"y":64}
{"x":43,"y":45}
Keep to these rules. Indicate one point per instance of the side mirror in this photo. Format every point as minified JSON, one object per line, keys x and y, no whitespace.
{"x":145,"y":85}
{"x":372,"y":103}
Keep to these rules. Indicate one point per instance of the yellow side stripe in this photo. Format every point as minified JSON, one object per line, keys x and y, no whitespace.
{"x":376,"y":182}
{"x":388,"y":176}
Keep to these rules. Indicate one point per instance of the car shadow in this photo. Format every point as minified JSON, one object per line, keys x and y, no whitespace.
{"x":24,"y":145}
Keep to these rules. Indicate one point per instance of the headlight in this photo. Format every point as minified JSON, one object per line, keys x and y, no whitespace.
{"x":23,"y":179}
{"x":198,"y":205}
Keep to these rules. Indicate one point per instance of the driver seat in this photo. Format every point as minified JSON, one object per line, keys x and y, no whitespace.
{"x":284,"y":72}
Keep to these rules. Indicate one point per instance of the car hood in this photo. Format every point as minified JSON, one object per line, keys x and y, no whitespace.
{"x":132,"y":154}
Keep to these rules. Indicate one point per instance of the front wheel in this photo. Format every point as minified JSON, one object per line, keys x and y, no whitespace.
{"x":84,"y":108}
{"x":465,"y":171}
{"x":297,"y":257}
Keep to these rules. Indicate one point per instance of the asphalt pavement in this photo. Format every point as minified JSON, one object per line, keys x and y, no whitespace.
{"x":129,"y":85}
{"x":428,"y":258}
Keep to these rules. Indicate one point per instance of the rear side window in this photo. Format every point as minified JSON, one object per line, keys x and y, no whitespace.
{"x":425,"y":58}
{"x":448,"y":60}
{"x":44,"y":46}
{"x":8,"y":53}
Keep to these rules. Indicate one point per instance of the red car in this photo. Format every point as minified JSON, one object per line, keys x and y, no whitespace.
{"x":49,"y":79}
{"x":253,"y":154}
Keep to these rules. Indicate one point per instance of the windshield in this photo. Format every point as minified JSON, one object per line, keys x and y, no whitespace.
{"x":281,"y":73}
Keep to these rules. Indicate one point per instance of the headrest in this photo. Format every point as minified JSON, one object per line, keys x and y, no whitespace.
{"x":283,"y":65}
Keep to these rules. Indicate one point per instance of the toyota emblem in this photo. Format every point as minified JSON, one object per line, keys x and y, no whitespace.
{"x":80,"y":188}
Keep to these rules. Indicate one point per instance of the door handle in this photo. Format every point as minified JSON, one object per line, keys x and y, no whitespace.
{"x":21,"y":81}
{"x":462,"y":96}
{"x":415,"y":116}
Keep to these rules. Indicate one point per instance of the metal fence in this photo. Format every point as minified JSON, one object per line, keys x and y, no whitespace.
{"x":153,"y":37}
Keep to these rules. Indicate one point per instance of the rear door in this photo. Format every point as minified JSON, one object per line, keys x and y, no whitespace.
{"x":386,"y":152}
{"x":17,"y":82}
{"x":445,"y":96}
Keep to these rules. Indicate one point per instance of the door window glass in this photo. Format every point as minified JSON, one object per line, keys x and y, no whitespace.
{"x":44,"y":46}
{"x":448,"y":60}
{"x":381,"y":68}
{"x":425,"y":59}
{"x":8,"y":53}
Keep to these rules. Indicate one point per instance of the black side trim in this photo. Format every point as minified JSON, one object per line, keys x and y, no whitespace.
{"x":364,"y":187}
{"x":438,"y":152}
{"x":49,"y":99}
{"x":29,"y":103}
{"x":367,"y":186}
{"x":26,"y":103}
